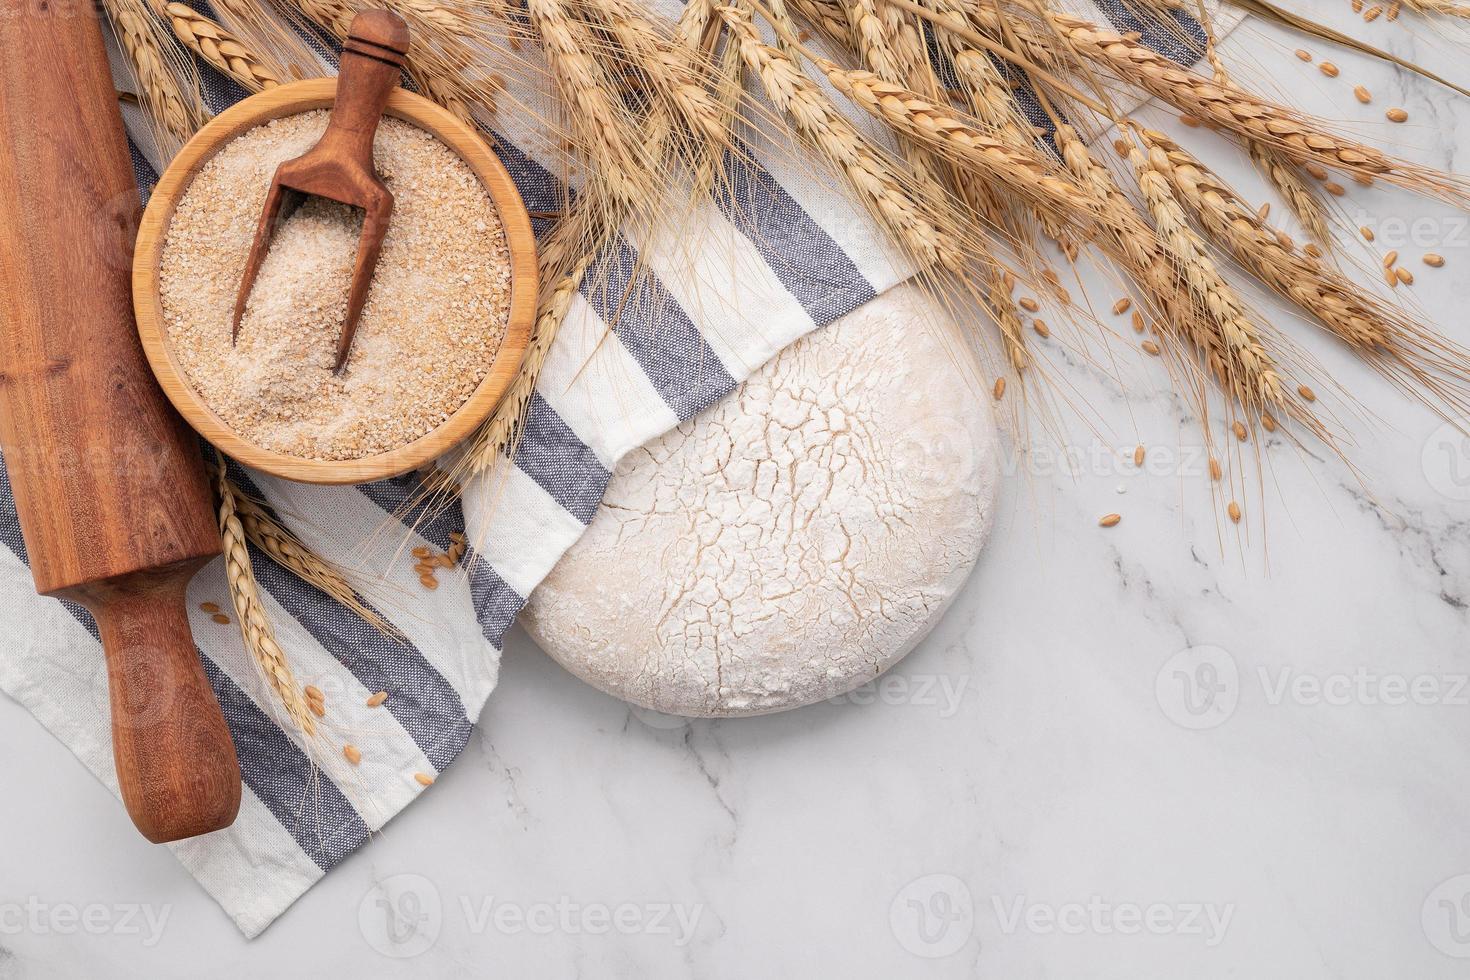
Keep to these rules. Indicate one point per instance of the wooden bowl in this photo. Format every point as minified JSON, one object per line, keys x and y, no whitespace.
{"x":288,"y":100}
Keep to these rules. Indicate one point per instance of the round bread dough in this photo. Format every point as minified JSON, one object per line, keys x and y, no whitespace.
{"x":794,"y":540}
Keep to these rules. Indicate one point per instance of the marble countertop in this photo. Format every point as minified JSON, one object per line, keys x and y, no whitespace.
{"x":1166,"y":749}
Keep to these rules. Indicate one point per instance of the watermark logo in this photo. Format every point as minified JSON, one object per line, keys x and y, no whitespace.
{"x":940,"y":455}
{"x":933,"y":916}
{"x":401,"y":916}
{"x":1445,"y":917}
{"x":1446,"y":460}
{"x":1199,"y":687}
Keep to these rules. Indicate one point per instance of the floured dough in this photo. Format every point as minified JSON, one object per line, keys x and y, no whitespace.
{"x":794,"y":540}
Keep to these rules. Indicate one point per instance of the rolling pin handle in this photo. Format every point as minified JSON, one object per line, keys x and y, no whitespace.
{"x":176,"y":763}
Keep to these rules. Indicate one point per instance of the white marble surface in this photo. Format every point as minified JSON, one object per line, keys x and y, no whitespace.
{"x":1027,"y":795}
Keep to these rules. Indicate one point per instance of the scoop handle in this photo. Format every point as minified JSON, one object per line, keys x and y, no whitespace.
{"x":371,"y":67}
{"x":176,"y":763}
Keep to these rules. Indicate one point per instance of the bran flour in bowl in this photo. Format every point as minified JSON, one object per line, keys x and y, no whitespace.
{"x":435,"y":316}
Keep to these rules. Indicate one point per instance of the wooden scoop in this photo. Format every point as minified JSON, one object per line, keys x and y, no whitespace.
{"x":340,"y":166}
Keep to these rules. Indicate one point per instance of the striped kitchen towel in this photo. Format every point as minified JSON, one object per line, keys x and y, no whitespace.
{"x":778,"y":254}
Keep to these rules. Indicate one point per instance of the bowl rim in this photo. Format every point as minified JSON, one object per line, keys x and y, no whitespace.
{"x":287,"y":100}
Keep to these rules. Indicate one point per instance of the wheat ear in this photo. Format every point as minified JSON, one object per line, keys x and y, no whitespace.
{"x":168,"y":89}
{"x":1369,"y":326}
{"x":1283,"y":172}
{"x":1301,"y":138}
{"x":1443,"y":8}
{"x":255,"y":625}
{"x":265,"y":532}
{"x":436,"y":61}
{"x":219,"y":47}
{"x":670,"y":67}
{"x":878,"y":184}
{"x":1179,"y":318}
{"x":602,"y":125}
{"x":1251,"y":373}
{"x":950,"y":133}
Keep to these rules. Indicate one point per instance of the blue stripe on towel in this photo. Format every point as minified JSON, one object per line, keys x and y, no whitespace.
{"x":1177,"y":36}
{"x":560,"y":462}
{"x":679,"y":362}
{"x":814,"y":269}
{"x":424,"y":702}
{"x":311,"y":807}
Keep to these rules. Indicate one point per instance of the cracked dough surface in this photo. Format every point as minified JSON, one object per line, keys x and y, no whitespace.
{"x":794,"y":540}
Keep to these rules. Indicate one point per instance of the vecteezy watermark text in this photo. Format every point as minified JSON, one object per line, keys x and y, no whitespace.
{"x":42,"y":918}
{"x":403,"y":915}
{"x":1100,"y":917}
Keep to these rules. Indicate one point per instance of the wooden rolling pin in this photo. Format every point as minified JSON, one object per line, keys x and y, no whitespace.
{"x":114,"y":503}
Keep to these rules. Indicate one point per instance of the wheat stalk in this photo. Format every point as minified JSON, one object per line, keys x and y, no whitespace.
{"x":168,"y":89}
{"x":255,"y":624}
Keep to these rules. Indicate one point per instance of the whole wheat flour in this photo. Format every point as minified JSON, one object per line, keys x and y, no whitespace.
{"x":434,"y":317}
